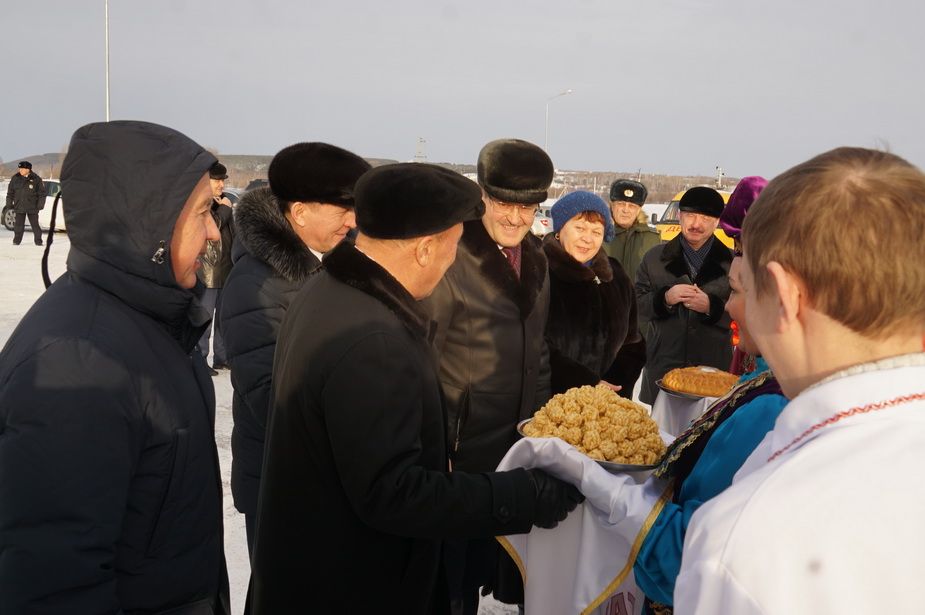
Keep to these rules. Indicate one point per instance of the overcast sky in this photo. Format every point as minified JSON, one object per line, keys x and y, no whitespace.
{"x":668,"y":86}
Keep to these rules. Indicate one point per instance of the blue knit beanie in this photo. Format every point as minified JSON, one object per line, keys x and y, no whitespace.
{"x":576,"y":202}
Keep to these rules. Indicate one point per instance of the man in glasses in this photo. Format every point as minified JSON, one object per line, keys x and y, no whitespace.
{"x":490,"y":310}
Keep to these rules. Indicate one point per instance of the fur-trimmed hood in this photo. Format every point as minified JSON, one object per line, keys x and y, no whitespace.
{"x":495,"y":268}
{"x":266,"y":235}
{"x":564,"y":266}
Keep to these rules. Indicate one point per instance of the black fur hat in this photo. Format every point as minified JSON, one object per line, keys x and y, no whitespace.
{"x":405,"y":200}
{"x":515,"y":171}
{"x":25,"y":164}
{"x":628,"y":190}
{"x":218,"y":171}
{"x":702,"y":200}
{"x":315,"y":172}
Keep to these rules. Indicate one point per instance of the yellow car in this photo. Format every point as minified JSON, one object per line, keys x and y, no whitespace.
{"x":669,"y":225}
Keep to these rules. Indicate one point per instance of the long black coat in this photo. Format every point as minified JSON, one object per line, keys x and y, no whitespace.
{"x":592,"y":314}
{"x":271,"y":263}
{"x":110,"y":493}
{"x":26,"y":194}
{"x":355,"y":498}
{"x":494,"y":362}
{"x":676,"y":336}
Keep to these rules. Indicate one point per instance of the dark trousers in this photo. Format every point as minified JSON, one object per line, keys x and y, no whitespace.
{"x":19,"y":227}
{"x":250,"y":526}
{"x":212,"y":301}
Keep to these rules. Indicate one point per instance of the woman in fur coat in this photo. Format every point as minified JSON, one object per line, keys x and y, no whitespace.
{"x":592,"y":311}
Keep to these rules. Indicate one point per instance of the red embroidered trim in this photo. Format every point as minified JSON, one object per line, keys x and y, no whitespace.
{"x":872,"y":407}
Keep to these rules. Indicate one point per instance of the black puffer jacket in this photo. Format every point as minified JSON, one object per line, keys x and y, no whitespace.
{"x":592,"y":313}
{"x":26,"y":194}
{"x":110,"y":493}
{"x":271,"y":263}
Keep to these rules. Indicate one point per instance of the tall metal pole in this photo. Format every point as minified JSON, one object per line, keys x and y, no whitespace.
{"x":546,"y":130}
{"x":107,"y":59}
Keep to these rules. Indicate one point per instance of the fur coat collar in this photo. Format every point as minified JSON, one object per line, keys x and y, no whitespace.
{"x":673,"y":258}
{"x":498,"y":272}
{"x":564,"y":266}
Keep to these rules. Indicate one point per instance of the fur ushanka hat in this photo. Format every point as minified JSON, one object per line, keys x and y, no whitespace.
{"x":315,"y":172}
{"x":515,"y":171}
{"x":406,"y":200}
{"x":702,"y":200}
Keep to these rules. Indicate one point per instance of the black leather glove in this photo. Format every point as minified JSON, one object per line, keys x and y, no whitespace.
{"x":555,"y":499}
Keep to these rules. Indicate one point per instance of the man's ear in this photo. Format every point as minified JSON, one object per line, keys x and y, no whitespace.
{"x":424,"y":250}
{"x":297,"y":212}
{"x":791,"y":295}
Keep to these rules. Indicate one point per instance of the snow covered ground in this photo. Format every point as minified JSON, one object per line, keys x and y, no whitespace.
{"x":21,"y":284}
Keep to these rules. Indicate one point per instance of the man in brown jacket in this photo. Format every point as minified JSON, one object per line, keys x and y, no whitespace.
{"x":491,"y":310}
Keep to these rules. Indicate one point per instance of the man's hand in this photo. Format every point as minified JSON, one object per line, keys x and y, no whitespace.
{"x":224,"y":201}
{"x":555,"y":499}
{"x":699,"y":301}
{"x":680,"y":293}
{"x":613,"y":387}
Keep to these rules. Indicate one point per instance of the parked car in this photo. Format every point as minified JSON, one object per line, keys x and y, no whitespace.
{"x":542,"y":222}
{"x":669,"y":225}
{"x":53,"y":186}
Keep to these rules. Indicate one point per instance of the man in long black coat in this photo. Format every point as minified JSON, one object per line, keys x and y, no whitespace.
{"x":356,"y":499}
{"x":110,"y":492}
{"x":26,"y":195}
{"x":682,"y":287}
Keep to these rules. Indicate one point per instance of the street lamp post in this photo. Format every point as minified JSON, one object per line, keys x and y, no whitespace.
{"x":107,"y":56}
{"x":546,"y":132}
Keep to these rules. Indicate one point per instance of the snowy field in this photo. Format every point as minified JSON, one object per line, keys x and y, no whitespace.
{"x":21,"y":284}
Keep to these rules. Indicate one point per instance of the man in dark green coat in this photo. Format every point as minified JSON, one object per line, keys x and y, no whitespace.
{"x":634,"y":237}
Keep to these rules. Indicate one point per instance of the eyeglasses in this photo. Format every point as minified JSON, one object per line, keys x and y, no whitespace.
{"x":509,"y":208}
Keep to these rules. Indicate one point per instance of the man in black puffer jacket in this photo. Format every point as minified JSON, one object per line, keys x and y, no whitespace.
{"x":26,"y":195}
{"x":279,"y":240}
{"x":110,"y":492}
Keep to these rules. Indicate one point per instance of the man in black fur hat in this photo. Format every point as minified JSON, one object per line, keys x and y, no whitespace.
{"x":356,"y":499}
{"x":681,"y":289}
{"x":282,"y":232}
{"x":491,"y":310}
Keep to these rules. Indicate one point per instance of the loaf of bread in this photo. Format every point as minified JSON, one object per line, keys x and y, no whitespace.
{"x":700,"y":380}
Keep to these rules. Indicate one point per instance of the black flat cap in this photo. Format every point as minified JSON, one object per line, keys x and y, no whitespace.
{"x":406,"y":200}
{"x":315,"y":173}
{"x":515,"y":171}
{"x":218,"y":171}
{"x":629,"y":191}
{"x":702,"y":200}
{"x":25,"y":164}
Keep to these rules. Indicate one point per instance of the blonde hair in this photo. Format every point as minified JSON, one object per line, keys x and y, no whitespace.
{"x":848,"y":223}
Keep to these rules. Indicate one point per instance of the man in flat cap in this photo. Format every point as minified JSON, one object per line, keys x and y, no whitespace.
{"x":26,"y":195}
{"x":278,"y":244}
{"x":682,"y":287}
{"x":356,"y":498}
{"x":216,"y":265}
{"x":491,"y":310}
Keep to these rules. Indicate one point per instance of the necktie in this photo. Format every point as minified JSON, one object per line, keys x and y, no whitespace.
{"x":513,"y":258}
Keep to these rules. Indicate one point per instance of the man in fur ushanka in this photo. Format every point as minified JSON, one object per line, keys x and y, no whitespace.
{"x":491,"y":310}
{"x":282,"y":231}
